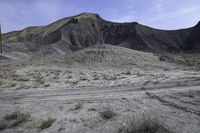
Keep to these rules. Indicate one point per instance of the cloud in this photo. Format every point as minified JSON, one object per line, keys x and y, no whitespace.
{"x":175,"y":15}
{"x":171,"y":14}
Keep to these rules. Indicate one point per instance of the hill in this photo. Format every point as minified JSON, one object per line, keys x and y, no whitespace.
{"x":86,"y":29}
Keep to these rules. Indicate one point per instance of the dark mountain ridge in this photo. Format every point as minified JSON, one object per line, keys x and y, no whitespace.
{"x":86,"y":29}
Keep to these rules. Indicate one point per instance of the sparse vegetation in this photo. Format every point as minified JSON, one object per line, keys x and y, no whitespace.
{"x":72,"y":82}
{"x":126,"y":72}
{"x":47,"y":123}
{"x":46,"y":85}
{"x":148,"y":125}
{"x":3,"y":125}
{"x":7,"y":84}
{"x":165,"y":58}
{"x":22,"y":87}
{"x":69,"y":77}
{"x":83,"y":78}
{"x":32,"y":124}
{"x":81,"y":73}
{"x":162,"y":58}
{"x":95,"y":76}
{"x":108,"y":114}
{"x":10,"y":85}
{"x":12,"y":120}
{"x":23,"y":79}
{"x":92,"y":109}
{"x":40,"y":80}
{"x":13,"y":85}
{"x":190,"y":62}
{"x":77,"y":106}
{"x":109,"y":77}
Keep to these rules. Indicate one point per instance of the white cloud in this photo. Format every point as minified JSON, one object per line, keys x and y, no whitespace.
{"x":181,"y":15}
{"x":171,"y":14}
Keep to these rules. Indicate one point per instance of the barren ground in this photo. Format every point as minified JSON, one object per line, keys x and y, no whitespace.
{"x":75,"y":90}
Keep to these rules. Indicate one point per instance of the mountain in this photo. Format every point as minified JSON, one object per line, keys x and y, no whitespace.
{"x":87,"y":29}
{"x":193,"y":41}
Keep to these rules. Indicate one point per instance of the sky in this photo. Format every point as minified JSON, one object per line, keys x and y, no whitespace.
{"x":161,"y":14}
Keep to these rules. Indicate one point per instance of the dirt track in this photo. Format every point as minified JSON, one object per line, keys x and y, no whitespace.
{"x":171,"y":104}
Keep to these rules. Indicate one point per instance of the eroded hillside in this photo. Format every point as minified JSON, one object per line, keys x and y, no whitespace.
{"x":84,"y":30}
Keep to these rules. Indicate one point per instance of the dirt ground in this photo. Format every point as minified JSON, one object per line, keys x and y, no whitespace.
{"x":75,"y":90}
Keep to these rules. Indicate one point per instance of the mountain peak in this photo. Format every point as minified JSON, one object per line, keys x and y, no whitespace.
{"x":87,"y":15}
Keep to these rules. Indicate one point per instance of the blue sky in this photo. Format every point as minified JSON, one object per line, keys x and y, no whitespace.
{"x":162,"y":14}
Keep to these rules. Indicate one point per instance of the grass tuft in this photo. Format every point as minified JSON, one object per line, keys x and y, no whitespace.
{"x":47,"y":123}
{"x":108,"y":114}
{"x":148,"y":126}
{"x":13,"y":119}
{"x":77,"y":106}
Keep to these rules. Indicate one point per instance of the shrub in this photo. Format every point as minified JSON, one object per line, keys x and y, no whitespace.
{"x":162,"y":58}
{"x":109,"y":77}
{"x":69,"y":77}
{"x":166,"y":58}
{"x":189,"y":62}
{"x":46,"y":85}
{"x":95,"y":76}
{"x":127,"y":72}
{"x":33,"y":124}
{"x":3,"y":125}
{"x":14,"y":119}
{"x":47,"y":123}
{"x":77,"y":106}
{"x":83,"y":78}
{"x":72,"y":82}
{"x":148,"y":126}
{"x":108,"y":114}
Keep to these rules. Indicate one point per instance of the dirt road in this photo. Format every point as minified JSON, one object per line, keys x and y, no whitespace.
{"x":177,"y":106}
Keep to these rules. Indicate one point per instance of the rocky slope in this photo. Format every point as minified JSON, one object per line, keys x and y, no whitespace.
{"x":193,"y":41}
{"x":84,"y":30}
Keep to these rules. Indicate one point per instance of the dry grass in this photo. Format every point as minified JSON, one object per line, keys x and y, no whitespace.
{"x":13,"y":119}
{"x":83,"y":79}
{"x":190,"y":62}
{"x":165,"y":58}
{"x":95,"y":76}
{"x":39,"y":80}
{"x":126,"y":73}
{"x":33,"y":124}
{"x":69,"y":77}
{"x":72,"y":82}
{"x":77,"y":106}
{"x":47,"y":123}
{"x":109,"y":77}
{"x":108,"y":114}
{"x":148,"y":125}
{"x":46,"y":85}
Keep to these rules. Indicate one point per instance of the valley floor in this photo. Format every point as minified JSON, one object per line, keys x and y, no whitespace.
{"x":51,"y":96}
